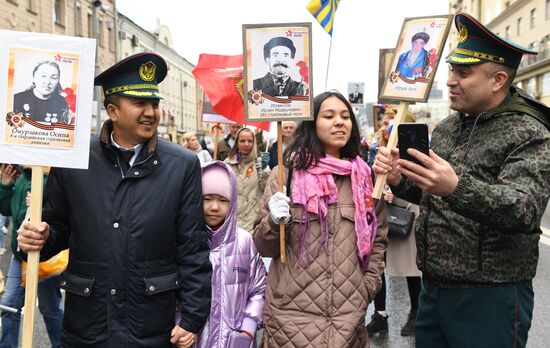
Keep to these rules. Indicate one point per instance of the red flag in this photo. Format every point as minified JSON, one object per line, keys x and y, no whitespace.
{"x":221,"y":77}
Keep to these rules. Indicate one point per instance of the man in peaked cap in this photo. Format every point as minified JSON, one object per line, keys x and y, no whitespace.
{"x":279,"y":55}
{"x":483,"y":190}
{"x":133,"y":222}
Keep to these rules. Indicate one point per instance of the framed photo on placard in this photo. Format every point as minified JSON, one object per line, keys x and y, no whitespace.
{"x":356,"y":91}
{"x":278,"y":72}
{"x":418,"y":51}
{"x":45,"y":99}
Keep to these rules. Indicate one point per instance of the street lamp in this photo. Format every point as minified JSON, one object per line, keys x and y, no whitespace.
{"x":95,"y":20}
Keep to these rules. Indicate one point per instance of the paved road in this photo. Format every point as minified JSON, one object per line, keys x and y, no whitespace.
{"x":398,"y":304}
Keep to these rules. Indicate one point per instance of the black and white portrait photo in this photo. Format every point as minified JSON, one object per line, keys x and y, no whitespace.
{"x":355,"y":92}
{"x":42,"y":100}
{"x":277,"y":71}
{"x":279,"y":55}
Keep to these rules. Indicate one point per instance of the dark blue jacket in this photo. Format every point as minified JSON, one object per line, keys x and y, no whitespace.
{"x":137,"y":244}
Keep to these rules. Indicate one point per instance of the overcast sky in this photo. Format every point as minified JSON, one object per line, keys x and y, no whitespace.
{"x":361,"y":28}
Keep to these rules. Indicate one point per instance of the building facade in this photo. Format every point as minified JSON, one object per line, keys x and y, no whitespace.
{"x":182,"y":94}
{"x":79,"y":18}
{"x":64,"y":17}
{"x":525,"y":22}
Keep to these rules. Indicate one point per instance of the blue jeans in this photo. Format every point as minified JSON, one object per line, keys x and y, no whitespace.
{"x":49,"y":304}
{"x":3,"y":220}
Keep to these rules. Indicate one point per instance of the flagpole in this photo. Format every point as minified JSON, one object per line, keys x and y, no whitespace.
{"x":328,"y":61}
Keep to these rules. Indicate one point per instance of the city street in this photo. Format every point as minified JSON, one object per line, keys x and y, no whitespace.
{"x":398,"y":303}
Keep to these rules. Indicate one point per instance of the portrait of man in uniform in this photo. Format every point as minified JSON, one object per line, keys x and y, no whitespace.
{"x":279,"y":54}
{"x":355,"y":92}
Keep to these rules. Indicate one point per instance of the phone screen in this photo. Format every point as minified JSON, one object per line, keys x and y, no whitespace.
{"x":412,"y":135}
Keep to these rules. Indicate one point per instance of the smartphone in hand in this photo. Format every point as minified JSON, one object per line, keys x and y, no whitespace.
{"x":412,"y":135}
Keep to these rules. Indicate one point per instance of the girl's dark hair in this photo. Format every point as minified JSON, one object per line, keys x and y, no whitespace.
{"x":306,"y":149}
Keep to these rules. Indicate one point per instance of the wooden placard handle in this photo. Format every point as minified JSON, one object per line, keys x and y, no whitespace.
{"x":392,"y":142}
{"x":282,"y":243}
{"x":37,"y":186}
{"x":216,"y":140}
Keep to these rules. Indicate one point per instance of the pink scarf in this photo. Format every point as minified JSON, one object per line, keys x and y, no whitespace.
{"x":314,"y":189}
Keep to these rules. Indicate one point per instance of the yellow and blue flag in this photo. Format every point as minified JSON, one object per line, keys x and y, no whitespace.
{"x":324,"y":11}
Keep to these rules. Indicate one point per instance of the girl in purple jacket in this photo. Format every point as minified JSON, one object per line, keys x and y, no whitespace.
{"x":238,"y":273}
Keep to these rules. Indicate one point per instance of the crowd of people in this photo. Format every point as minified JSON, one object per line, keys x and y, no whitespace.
{"x":167,"y":247}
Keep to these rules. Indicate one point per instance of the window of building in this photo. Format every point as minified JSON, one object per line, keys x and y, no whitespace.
{"x":520,"y":84}
{"x":519,"y":31}
{"x":111,"y":38}
{"x":532,"y":18}
{"x":101,"y":34}
{"x":59,"y":12}
{"x":545,"y":88}
{"x":29,"y":4}
{"x":507,"y":32}
{"x":78,"y":21}
{"x":530,"y":86}
{"x":90,"y":26}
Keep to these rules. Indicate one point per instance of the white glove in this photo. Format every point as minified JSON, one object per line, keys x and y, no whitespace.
{"x":279,"y":207}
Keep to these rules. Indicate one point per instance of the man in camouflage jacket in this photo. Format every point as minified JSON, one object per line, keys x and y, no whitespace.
{"x":483,"y":190}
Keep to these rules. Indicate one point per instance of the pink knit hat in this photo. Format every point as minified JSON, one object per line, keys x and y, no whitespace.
{"x":215,"y":180}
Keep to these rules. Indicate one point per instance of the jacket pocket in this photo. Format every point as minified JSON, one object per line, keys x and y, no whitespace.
{"x":239,"y":340}
{"x":80,"y":293}
{"x":77,"y":284}
{"x":154,"y":312}
{"x":348,"y":212}
{"x":299,"y":214}
{"x":159,"y":284}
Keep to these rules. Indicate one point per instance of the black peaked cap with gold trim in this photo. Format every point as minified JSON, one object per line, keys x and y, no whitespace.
{"x":136,"y":76}
{"x":477,"y":44}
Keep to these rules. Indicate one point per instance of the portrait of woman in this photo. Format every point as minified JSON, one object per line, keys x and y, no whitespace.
{"x":42,"y":101}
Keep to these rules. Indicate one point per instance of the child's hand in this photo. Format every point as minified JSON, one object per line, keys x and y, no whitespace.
{"x":182,"y":338}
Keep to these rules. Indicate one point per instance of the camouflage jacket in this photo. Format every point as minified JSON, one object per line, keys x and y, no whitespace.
{"x":487,"y":231}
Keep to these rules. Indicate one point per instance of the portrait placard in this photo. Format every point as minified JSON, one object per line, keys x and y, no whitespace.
{"x":278,"y":72}
{"x":418,"y":51}
{"x":356,"y":91}
{"x":45,"y":99}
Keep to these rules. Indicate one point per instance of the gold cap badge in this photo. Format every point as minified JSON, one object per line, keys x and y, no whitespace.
{"x":147,"y":71}
{"x":462,"y":33}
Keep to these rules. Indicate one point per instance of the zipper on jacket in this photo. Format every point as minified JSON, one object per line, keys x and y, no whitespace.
{"x":135,"y":164}
{"x":428,"y":200}
{"x":118,"y":162}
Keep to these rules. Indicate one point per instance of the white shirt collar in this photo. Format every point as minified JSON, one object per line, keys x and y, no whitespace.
{"x":136,"y":149}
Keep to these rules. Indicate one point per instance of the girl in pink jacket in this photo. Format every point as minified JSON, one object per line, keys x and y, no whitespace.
{"x":238,"y":273}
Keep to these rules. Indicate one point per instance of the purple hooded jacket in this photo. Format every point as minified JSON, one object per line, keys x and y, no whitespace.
{"x":238,"y":282}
